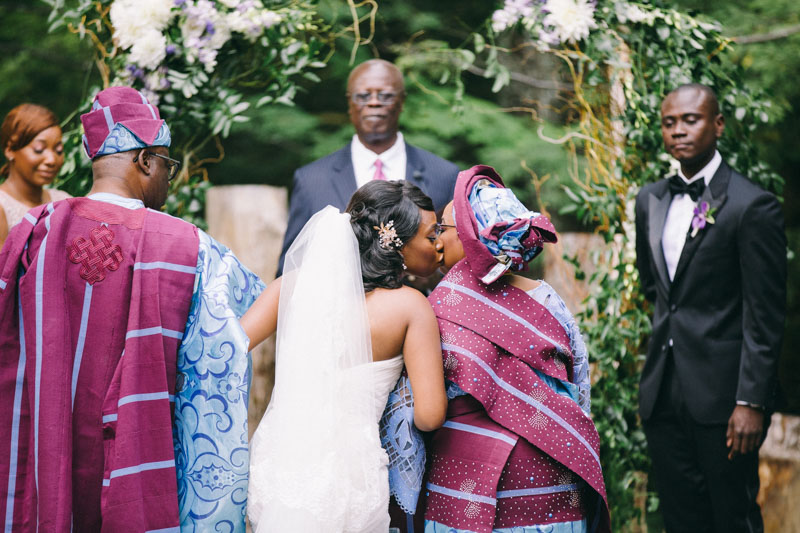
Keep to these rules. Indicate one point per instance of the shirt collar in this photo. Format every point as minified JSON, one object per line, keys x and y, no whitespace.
{"x":116,"y":199}
{"x":707,"y":172}
{"x":362,"y":153}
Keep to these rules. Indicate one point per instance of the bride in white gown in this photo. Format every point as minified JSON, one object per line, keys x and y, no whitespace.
{"x":345,"y":327}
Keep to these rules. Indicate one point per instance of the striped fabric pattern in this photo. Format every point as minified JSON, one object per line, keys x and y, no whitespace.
{"x":90,"y":370}
{"x":513,"y":452}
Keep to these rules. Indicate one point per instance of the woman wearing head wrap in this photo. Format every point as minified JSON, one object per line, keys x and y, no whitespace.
{"x":31,"y":141}
{"x":518,"y":450}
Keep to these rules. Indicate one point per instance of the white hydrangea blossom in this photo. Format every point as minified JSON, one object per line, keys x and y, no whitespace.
{"x":156,"y":13}
{"x":512,"y":11}
{"x":127,"y":26}
{"x":568,"y":21}
{"x":270,"y":18}
{"x":250,"y":19}
{"x":137,"y":19}
{"x":205,"y":27}
{"x":149,"y":50}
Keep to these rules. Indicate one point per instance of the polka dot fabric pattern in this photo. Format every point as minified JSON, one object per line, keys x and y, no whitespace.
{"x":518,"y":323}
{"x":537,"y":450}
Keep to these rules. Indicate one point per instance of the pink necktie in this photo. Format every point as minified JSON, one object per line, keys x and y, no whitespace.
{"x":379,"y":171}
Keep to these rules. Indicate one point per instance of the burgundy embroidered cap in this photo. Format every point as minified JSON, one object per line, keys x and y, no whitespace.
{"x":122,"y":119}
{"x":533,"y":229}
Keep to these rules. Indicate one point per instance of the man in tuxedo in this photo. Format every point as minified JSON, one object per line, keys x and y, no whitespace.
{"x":375,"y":95}
{"x":711,"y":254}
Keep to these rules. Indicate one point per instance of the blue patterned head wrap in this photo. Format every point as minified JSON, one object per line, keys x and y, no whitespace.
{"x":122,"y":119}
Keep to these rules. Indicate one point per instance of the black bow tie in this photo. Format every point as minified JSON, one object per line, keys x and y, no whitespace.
{"x":694,"y":189}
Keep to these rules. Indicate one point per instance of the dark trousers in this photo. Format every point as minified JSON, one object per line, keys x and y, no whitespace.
{"x":701,"y":491}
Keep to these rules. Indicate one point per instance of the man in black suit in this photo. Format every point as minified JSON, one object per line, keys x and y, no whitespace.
{"x":711,"y":254}
{"x":375,"y":94}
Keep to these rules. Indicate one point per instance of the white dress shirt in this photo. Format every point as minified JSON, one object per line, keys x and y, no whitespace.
{"x":393,"y":159}
{"x":679,"y":216}
{"x":111,"y":198}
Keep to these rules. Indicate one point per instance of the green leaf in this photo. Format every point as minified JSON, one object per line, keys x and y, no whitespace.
{"x":480,"y":43}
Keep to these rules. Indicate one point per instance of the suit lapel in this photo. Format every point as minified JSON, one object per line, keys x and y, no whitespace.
{"x":657,"y":215}
{"x":415,"y":168}
{"x":715,"y":194}
{"x":344,"y":177}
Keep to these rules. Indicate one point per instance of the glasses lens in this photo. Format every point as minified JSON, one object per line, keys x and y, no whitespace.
{"x":364,"y":98}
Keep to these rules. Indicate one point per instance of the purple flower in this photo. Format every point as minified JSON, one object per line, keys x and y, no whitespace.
{"x":179,"y":3}
{"x":703,"y":215}
{"x":209,"y":28}
{"x":135,"y":71}
{"x":170,"y":49}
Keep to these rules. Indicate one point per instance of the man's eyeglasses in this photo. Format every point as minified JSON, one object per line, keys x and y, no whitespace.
{"x":173,"y":165}
{"x":441,"y":227}
{"x":361,"y":99}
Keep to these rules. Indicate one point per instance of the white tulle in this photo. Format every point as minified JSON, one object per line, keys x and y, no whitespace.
{"x":316,"y":463}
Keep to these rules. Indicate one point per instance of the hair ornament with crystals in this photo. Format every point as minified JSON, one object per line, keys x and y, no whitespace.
{"x":387,"y":236}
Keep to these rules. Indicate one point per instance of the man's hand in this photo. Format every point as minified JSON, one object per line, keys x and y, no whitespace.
{"x":744,"y":430}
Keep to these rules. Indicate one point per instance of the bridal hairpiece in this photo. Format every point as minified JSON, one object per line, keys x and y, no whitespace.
{"x":387,"y":236}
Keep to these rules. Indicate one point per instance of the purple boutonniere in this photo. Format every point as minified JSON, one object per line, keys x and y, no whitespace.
{"x":703,"y":215}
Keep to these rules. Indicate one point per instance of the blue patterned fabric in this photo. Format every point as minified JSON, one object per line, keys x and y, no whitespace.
{"x":404,"y":446}
{"x":121,"y":139}
{"x":578,"y":526}
{"x":492,"y":205}
{"x":548,"y":297}
{"x":210,"y":433}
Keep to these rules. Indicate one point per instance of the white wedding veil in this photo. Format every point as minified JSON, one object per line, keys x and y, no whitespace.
{"x":307,"y":472}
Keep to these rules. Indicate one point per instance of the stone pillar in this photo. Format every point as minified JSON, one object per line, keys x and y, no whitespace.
{"x":251,"y":221}
{"x":779,"y":472}
{"x":560,"y":274}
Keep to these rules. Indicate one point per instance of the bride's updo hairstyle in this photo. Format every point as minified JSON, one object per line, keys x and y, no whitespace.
{"x":380,"y":202}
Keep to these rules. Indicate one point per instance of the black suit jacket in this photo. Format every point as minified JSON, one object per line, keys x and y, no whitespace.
{"x":332,"y":181}
{"x":723,"y":313}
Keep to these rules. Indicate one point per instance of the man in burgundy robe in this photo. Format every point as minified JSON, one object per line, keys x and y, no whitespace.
{"x":107,"y":366}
